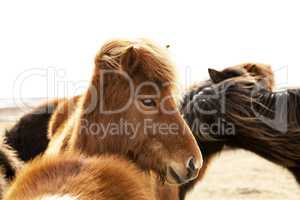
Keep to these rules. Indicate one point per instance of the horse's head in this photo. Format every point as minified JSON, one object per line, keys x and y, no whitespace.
{"x":133,"y":90}
{"x":206,"y":107}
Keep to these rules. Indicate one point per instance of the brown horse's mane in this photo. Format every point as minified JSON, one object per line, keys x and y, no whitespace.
{"x":153,"y":62}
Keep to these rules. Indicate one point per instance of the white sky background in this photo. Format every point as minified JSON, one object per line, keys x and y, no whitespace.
{"x":65,"y":35}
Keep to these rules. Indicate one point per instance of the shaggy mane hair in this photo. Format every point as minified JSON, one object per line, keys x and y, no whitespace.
{"x":217,"y":94}
{"x":82,"y":178}
{"x":148,"y":59}
{"x":265,"y":122}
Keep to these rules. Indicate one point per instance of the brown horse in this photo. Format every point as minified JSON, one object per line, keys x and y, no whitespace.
{"x":75,"y":177}
{"x":129,"y":110}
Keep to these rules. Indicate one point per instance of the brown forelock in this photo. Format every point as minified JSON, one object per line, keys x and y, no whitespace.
{"x":137,"y":55}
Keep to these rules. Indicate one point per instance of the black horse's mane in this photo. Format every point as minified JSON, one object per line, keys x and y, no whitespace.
{"x":264,"y":122}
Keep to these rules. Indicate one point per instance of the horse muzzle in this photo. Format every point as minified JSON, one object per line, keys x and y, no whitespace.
{"x":183,"y":173}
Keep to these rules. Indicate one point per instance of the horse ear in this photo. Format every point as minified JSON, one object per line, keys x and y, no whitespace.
{"x":130,"y":59}
{"x":251,"y":68}
{"x":215,"y":75}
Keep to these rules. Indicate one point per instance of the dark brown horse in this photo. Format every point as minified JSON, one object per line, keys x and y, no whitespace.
{"x":28,"y":137}
{"x":242,"y":113}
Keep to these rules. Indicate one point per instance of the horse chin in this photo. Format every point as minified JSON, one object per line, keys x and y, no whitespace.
{"x":173,"y":177}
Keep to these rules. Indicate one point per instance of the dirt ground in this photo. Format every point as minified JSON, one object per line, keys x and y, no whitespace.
{"x":240,"y":175}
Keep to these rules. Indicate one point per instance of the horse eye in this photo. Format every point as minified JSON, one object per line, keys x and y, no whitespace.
{"x":149,"y":102}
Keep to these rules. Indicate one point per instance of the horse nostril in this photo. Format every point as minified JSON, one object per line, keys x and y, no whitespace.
{"x":191,"y":167}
